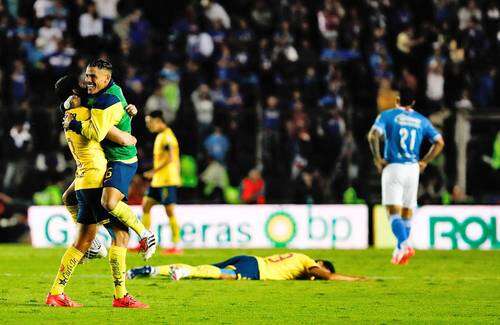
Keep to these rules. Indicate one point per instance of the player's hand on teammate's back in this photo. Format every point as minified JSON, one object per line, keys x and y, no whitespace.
{"x":422,"y":165}
{"x":131,"y":110}
{"x":380,"y":164}
{"x":130,"y":140}
{"x":68,"y":117}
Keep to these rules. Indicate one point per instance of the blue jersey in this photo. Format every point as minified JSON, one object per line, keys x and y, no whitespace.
{"x":404,"y":131}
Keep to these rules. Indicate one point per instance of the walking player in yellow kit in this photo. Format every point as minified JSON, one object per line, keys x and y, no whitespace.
{"x":165,"y":176}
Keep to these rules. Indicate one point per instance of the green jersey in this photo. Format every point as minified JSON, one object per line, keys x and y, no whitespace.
{"x":106,"y":98}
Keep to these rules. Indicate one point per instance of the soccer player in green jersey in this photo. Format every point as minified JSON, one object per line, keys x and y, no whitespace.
{"x":107,"y":106}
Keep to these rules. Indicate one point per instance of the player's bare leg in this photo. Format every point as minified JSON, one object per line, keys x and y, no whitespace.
{"x":117,"y":262}
{"x":96,"y":249}
{"x":111,"y":200}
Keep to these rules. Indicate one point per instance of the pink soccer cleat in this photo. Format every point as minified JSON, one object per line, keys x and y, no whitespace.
{"x":128,"y":302}
{"x":61,"y":301}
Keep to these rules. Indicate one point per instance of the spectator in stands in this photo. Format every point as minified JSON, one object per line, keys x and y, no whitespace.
{"x":435,"y":86}
{"x":253,"y":188}
{"x":48,"y":36}
{"x":158,"y":102}
{"x":217,"y":145}
{"x":18,"y":147}
{"x":204,"y":108}
{"x":215,"y":12}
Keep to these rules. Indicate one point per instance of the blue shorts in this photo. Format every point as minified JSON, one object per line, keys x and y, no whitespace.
{"x":119,"y":175}
{"x":246,"y":267}
{"x":164,"y":195}
{"x":90,"y":210}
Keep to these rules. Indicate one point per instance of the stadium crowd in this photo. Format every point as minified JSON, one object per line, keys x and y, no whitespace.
{"x":270,"y":100}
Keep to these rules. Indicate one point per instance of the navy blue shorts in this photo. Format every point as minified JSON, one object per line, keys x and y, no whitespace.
{"x":90,"y":210}
{"x":119,"y":175}
{"x":247,"y":267}
{"x":164,"y":195}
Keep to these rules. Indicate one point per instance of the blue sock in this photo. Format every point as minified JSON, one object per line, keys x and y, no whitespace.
{"x":228,"y":272}
{"x":407,"y":223}
{"x":398,"y":228}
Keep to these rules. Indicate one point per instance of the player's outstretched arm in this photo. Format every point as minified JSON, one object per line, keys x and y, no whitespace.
{"x":433,"y":152}
{"x":322,"y":274}
{"x":122,"y":138}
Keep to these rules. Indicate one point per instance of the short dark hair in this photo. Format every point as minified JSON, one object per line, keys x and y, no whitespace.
{"x":157,"y":114}
{"x":65,"y":85}
{"x":101,"y":64}
{"x":406,"y":97}
{"x":328,"y":265}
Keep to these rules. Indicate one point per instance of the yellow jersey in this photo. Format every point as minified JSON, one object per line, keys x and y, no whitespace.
{"x":166,"y":147}
{"x":289,"y":266}
{"x":88,"y":154}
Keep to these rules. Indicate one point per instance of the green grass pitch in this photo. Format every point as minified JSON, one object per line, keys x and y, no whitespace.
{"x":442,"y":286}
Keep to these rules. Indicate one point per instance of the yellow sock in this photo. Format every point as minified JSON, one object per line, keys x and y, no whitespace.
{"x":146,"y":220}
{"x":73,"y":211}
{"x":117,"y":256}
{"x":200,"y":271}
{"x":174,"y":226}
{"x":165,"y":269}
{"x":205,"y":272}
{"x":69,"y":261}
{"x":125,"y":214}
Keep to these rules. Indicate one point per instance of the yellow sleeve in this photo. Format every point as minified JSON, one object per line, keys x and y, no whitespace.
{"x":308,"y":262}
{"x":101,"y":120}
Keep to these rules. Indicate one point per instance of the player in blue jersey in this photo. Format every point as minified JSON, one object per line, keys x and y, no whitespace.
{"x":403,"y":131}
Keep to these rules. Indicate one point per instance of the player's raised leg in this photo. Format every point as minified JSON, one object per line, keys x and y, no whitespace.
{"x":69,"y":262}
{"x":116,"y":183}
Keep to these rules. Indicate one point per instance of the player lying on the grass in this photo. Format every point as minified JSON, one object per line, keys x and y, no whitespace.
{"x":403,"y":130}
{"x":290,"y":266}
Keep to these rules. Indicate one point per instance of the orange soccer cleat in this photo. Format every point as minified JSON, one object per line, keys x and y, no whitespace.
{"x":173,"y":251}
{"x":409,"y":253}
{"x":61,"y":301}
{"x":128,"y":302}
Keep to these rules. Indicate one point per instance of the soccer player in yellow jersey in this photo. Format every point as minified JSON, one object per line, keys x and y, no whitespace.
{"x":165,"y":176}
{"x":289,"y":266}
{"x":91,"y":169}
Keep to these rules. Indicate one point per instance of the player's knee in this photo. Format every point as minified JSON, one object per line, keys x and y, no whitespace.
{"x":170,"y":210}
{"x":109,"y":203}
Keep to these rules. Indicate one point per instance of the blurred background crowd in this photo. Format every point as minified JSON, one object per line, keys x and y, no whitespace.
{"x":270,"y":100}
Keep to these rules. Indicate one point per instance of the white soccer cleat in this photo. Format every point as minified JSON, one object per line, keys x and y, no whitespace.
{"x":176,"y":273}
{"x":398,"y":255}
{"x":147,"y":245}
{"x":96,"y":250}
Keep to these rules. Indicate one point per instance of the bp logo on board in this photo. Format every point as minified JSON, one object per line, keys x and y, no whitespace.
{"x":280,"y":228}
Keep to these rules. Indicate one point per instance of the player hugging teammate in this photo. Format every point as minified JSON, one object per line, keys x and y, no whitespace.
{"x":98,"y":128}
